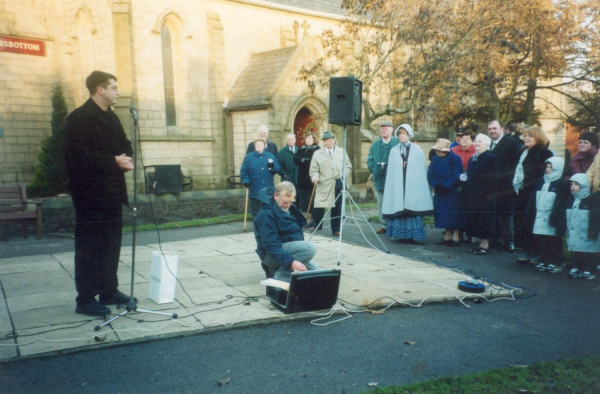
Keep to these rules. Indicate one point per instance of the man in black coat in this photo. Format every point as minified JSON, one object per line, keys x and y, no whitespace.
{"x":263,"y":134}
{"x":508,"y":151}
{"x":97,"y":155}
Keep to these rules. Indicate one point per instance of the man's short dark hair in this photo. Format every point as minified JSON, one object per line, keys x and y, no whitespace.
{"x":496,"y":120}
{"x":511,"y":127}
{"x":98,"y":78}
{"x":470,"y":134}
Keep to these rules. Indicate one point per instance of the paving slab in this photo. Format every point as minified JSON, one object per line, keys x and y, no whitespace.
{"x":218,"y":286}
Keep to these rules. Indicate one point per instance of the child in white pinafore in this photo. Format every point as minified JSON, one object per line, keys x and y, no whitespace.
{"x":583,"y":226}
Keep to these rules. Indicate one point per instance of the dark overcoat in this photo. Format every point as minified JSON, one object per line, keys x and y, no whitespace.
{"x":289,"y":170}
{"x":92,"y":139}
{"x":444,"y":177}
{"x":480,"y":195}
{"x":302,"y":159}
{"x":508,"y":151}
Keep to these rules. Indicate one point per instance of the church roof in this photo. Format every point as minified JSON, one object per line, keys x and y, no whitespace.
{"x":254,"y":85}
{"x":329,"y":6}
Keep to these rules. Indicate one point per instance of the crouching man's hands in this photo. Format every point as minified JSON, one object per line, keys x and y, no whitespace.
{"x":298,"y":266}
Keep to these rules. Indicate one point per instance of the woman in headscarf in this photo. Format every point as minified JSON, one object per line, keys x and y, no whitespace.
{"x":407,"y":196}
{"x":530,"y":169}
{"x":304,"y":187}
{"x":444,"y":176}
{"x":481,"y":186}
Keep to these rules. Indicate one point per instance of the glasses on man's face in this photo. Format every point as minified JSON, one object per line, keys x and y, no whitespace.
{"x":286,"y":201}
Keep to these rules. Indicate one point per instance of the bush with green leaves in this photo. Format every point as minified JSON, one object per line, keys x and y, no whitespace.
{"x":50,"y":173}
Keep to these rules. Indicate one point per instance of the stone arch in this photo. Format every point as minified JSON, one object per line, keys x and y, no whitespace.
{"x":307,"y":106}
{"x":173,"y":20}
{"x":172,"y":31}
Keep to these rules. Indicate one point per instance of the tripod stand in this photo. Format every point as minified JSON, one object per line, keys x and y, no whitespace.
{"x":344,"y":194}
{"x":132,"y":304}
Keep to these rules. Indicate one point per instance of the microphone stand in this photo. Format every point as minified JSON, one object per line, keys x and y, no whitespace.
{"x":132,"y":304}
{"x":345,"y":194}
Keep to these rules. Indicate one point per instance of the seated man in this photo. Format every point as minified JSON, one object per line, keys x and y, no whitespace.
{"x":280,"y":240}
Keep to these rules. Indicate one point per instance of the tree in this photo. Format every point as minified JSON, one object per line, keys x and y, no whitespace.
{"x":405,"y":52}
{"x":50,"y":173}
{"x":453,"y":61}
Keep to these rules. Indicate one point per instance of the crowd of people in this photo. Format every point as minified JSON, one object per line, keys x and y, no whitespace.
{"x":506,"y":189}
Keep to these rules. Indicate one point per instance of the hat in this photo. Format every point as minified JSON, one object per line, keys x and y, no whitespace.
{"x":406,"y":127}
{"x":327,"y":134}
{"x":591,"y":137}
{"x":442,"y":144}
{"x":386,"y":123}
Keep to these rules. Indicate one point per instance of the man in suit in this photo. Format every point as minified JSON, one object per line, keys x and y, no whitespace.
{"x":263,"y":134}
{"x":97,"y":155}
{"x":508,"y":151}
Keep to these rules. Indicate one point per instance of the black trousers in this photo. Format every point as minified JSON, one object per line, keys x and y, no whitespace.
{"x":524,"y":225}
{"x":97,"y":249}
{"x":550,"y":249}
{"x":584,"y":261}
{"x":303,"y":197}
{"x":335,"y":214}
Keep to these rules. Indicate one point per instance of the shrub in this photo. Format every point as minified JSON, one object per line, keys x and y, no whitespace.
{"x":50,"y":173}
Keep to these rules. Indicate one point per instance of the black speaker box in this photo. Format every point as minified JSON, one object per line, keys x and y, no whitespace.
{"x":345,"y":101}
{"x":168,"y":179}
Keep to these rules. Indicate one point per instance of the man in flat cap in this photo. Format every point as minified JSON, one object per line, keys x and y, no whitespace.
{"x":326,"y":169}
{"x":377,"y":164}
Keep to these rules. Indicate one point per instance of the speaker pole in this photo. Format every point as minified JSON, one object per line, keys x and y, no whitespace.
{"x":343,"y":213}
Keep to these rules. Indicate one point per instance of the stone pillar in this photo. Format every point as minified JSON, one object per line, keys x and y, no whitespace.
{"x":121,"y":15}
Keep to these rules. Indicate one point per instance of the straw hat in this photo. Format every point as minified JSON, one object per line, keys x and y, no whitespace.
{"x":442,"y":144}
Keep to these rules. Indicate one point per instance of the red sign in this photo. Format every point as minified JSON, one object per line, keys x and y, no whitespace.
{"x":22,"y":46}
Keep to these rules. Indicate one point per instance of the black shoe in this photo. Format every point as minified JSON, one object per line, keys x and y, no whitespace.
{"x":93,"y":308}
{"x":452,"y":243}
{"x":117,"y":298}
{"x":442,"y":241}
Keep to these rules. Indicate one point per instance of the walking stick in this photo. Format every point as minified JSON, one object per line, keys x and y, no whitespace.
{"x":246,"y":208}
{"x":311,"y":200}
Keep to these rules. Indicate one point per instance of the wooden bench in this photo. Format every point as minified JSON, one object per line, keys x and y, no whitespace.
{"x":150,"y":179}
{"x":14,"y":206}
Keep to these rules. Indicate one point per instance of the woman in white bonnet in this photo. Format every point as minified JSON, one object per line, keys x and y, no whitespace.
{"x":407,"y":171}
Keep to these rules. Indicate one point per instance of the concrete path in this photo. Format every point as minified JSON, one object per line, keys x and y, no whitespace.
{"x":219,"y":288}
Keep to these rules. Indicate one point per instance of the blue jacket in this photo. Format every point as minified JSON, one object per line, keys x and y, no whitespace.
{"x":255,"y":171}
{"x":274,"y":227}
{"x":444,"y":176}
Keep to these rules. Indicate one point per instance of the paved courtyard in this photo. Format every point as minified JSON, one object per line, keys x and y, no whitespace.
{"x":219,"y":288}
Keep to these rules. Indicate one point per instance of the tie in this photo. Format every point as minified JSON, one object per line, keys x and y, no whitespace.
{"x":492,"y":146}
{"x":330,"y":153}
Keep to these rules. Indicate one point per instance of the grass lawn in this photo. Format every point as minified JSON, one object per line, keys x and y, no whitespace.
{"x":570,"y":376}
{"x":189,"y":223}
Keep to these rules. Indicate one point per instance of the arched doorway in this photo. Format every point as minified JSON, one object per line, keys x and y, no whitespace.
{"x":303,"y":123}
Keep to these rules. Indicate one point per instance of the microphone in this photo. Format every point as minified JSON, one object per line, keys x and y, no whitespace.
{"x":134,"y":113}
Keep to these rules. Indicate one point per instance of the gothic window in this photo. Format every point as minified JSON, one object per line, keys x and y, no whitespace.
{"x":169,"y":76}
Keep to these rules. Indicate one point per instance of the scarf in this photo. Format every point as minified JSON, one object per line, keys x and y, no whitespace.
{"x":519,"y":173}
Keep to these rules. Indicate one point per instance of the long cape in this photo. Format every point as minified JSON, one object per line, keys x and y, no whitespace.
{"x":412,"y":198}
